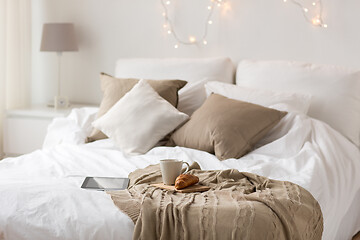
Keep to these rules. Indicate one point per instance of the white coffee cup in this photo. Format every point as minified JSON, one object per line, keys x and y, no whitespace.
{"x":171,"y":169}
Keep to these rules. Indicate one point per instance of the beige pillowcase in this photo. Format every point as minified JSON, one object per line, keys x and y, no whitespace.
{"x":115,"y":88}
{"x":225,"y":127}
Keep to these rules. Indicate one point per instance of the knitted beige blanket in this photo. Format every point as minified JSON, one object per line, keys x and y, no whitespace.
{"x":239,"y":205}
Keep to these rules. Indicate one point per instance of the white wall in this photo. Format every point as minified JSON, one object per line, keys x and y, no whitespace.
{"x":256,"y":29}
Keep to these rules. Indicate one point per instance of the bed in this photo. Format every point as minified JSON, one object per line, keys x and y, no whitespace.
{"x":40,"y":194}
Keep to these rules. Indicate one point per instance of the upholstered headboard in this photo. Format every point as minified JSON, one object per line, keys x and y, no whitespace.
{"x":190,"y":70}
{"x":196,"y":72}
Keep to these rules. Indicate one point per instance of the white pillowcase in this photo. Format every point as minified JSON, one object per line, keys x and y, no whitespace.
{"x":283,"y":101}
{"x":335,"y":90}
{"x":139,"y":119}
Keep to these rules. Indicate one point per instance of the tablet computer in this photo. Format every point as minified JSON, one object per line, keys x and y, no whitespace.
{"x":105,"y":183}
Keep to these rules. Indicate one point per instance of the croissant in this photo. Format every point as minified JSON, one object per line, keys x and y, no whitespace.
{"x":185,"y":180}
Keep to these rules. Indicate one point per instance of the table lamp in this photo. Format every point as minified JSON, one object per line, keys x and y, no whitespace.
{"x":59,"y":38}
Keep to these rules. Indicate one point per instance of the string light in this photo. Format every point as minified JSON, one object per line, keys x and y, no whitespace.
{"x":316,"y":6}
{"x":318,"y":19}
{"x":192,"y":40}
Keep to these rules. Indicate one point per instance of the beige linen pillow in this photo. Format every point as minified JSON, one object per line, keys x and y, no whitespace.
{"x":115,"y":88}
{"x":229,"y":128}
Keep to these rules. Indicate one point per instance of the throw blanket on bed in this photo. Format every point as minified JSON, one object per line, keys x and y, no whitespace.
{"x":239,"y":205}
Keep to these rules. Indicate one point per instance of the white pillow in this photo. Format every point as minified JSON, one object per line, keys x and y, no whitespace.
{"x":335,"y":90}
{"x":139,"y":119}
{"x":290,"y":102}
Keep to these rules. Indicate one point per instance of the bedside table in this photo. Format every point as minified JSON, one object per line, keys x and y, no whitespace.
{"x":25,"y":129}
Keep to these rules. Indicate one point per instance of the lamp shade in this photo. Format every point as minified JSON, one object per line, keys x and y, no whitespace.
{"x":58,"y":37}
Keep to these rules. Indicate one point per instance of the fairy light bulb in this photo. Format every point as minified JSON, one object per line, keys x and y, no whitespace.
{"x":205,"y":42}
{"x":192,"y":39}
{"x":325,"y":25}
{"x":209,"y":7}
{"x":168,"y":2}
{"x":176,"y":46}
{"x":316,"y":21}
{"x":210,"y":22}
{"x":165,"y":26}
{"x":169,"y":31}
{"x":314,"y":3}
{"x":306,"y":10}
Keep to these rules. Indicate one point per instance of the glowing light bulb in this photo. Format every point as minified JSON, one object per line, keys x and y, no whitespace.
{"x":210,"y":22}
{"x":219,"y":4}
{"x":316,"y":21}
{"x":176,"y":46}
{"x":285,"y":1}
{"x":209,"y":7}
{"x":314,"y":3}
{"x":169,"y":31}
{"x":205,"y":42}
{"x":192,"y":39}
{"x":306,"y":10}
{"x":168,"y":2}
{"x":325,"y":25}
{"x":165,"y":26}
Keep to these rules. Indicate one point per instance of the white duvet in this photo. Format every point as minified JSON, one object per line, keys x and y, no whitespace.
{"x":41,"y":198}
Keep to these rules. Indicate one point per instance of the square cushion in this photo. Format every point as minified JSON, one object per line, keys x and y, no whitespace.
{"x":115,"y":88}
{"x":139,"y":120}
{"x":226,"y":127}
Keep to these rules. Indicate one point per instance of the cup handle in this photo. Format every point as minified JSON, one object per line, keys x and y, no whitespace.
{"x":187,"y":167}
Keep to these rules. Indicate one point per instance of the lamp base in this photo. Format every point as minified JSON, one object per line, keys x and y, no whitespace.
{"x":61,"y":102}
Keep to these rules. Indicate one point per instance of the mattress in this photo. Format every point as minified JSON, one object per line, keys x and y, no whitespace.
{"x":41,"y":198}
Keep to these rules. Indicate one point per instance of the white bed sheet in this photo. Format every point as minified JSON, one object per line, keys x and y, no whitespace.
{"x":40,"y":195}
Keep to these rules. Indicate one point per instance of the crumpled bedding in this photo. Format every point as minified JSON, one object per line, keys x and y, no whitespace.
{"x":41,"y":198}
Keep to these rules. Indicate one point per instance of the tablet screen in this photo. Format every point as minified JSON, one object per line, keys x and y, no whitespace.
{"x":105,"y":183}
